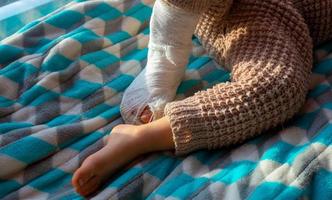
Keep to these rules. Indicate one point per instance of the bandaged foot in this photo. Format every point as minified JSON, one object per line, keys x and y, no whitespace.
{"x":169,"y":49}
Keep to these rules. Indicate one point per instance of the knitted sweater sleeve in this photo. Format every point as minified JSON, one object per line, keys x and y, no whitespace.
{"x":271,"y":64}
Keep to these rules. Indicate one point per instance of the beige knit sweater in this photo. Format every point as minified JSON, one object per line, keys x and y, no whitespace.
{"x":267,"y":45}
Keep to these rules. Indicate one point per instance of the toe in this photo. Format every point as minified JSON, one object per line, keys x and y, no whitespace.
{"x":83,"y":174}
{"x":90,"y":186}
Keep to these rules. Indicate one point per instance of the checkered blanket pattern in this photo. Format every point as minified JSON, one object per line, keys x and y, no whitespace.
{"x":61,"y":81}
{"x":10,"y":25}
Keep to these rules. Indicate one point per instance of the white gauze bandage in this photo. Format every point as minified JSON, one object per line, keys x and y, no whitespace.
{"x":170,"y":45}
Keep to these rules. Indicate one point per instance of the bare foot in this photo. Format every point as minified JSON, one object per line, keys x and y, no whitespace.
{"x":123,"y":145}
{"x":146,"y":115}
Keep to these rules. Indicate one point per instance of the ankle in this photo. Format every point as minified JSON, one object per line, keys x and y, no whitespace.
{"x":157,"y":135}
{"x":144,"y":139}
{"x":128,"y":135}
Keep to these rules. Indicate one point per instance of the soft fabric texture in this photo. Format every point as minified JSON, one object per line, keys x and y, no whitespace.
{"x":171,"y":31}
{"x":268,"y":48}
{"x":61,"y":82}
{"x":16,"y":14}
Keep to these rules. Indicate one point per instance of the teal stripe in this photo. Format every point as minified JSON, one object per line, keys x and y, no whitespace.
{"x":137,"y":54}
{"x":122,"y":180}
{"x":161,"y":167}
{"x":51,"y":181}
{"x":197,"y":63}
{"x":72,"y":18}
{"x":319,"y":90}
{"x":142,"y":13}
{"x":9,"y":126}
{"x":320,"y":185}
{"x":97,"y":110}
{"x":57,"y":62}
{"x":62,"y":120}
{"x":36,"y":95}
{"x":4,"y":102}
{"x":80,"y":89}
{"x":111,"y":114}
{"x":12,"y":53}
{"x":101,"y":59}
{"x":118,"y":36}
{"x":86,"y":141}
{"x":323,"y":67}
{"x":8,"y":186}
{"x":186,"y":85}
{"x":120,"y":83}
{"x":45,"y":98}
{"x":104,"y":12}
{"x":31,"y":149}
{"x":102,"y":9}
{"x":82,"y":35}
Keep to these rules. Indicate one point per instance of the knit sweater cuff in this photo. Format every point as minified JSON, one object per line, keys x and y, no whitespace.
{"x":195,"y":6}
{"x":186,"y":124}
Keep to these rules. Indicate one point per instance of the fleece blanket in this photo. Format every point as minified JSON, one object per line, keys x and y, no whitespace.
{"x":61,"y":81}
{"x":17,"y":13}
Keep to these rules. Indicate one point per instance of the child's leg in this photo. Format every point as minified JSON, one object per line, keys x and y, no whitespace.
{"x":169,"y":49}
{"x":318,"y":16}
{"x":255,"y":50}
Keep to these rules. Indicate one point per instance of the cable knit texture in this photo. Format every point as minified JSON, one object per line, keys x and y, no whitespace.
{"x":318,"y":16}
{"x":267,"y":45}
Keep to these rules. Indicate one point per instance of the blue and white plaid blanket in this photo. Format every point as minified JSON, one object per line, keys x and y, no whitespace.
{"x":61,"y":81}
